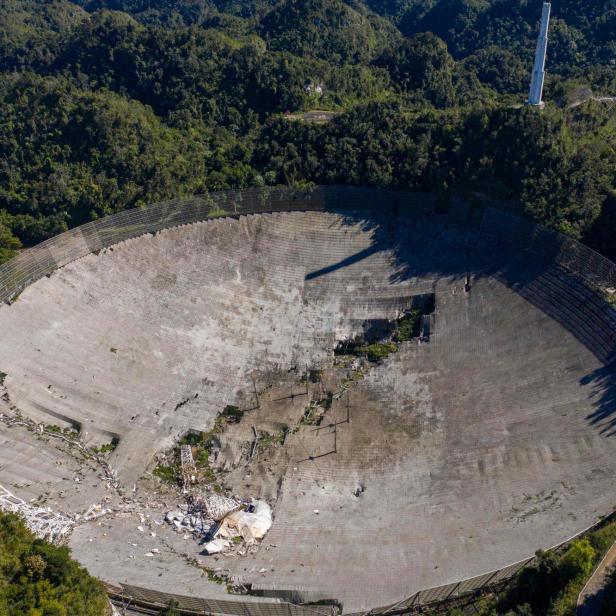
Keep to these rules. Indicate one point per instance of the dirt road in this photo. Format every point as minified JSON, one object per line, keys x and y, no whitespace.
{"x":593,"y":594}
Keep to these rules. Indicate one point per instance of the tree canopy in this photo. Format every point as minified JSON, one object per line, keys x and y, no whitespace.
{"x":111,"y":104}
{"x":39,"y":579}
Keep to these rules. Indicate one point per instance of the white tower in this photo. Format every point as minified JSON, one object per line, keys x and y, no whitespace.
{"x":536,"y":84}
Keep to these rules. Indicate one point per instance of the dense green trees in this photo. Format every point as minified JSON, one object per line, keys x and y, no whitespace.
{"x":328,"y":29}
{"x":550,"y":586}
{"x":68,"y":155}
{"x":108,"y":104}
{"x":31,"y":32}
{"x":423,"y":64}
{"x":9,"y":244}
{"x":560,"y":178}
{"x":580,"y":30}
{"x":538,"y":586}
{"x":39,"y":579}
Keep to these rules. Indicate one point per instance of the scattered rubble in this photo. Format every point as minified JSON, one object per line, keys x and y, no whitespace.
{"x":43,"y":522}
{"x":93,"y":513}
{"x":69,"y":437}
{"x":222,"y":520}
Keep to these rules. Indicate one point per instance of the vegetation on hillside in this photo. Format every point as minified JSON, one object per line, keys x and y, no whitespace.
{"x":112,"y":104}
{"x":551,"y":585}
{"x":39,"y":579}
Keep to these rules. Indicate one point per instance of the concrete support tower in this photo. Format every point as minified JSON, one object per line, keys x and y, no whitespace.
{"x":536,"y":84}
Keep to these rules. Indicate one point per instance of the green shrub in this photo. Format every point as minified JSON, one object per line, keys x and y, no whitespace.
{"x":192,"y":438}
{"x":315,"y":375}
{"x":267,"y":440}
{"x":168,"y":474}
{"x":579,"y":559}
{"x":409,"y":326}
{"x":106,"y":447}
{"x":37,"y":578}
{"x":171,"y":609}
{"x":378,"y":350}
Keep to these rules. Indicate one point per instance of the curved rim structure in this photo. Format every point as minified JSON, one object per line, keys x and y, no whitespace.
{"x":589,"y":269}
{"x":43,"y":259}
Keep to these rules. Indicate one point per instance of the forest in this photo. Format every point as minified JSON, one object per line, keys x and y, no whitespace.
{"x":39,"y":579}
{"x":114,"y":104}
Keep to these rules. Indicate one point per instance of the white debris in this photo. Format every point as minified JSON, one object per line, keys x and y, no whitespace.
{"x":216,"y":546}
{"x":217,"y":506}
{"x":41,"y":521}
{"x":174,"y":515}
{"x":155,"y":551}
{"x":316,"y":511}
{"x":140,"y":529}
{"x":222,"y":518}
{"x":195,"y":522}
{"x":94,"y":512}
{"x":250,"y":525}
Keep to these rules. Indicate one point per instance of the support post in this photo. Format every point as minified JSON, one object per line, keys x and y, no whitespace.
{"x":256,"y":393}
{"x":335,"y":436}
{"x":348,"y":408}
{"x":538,"y":77}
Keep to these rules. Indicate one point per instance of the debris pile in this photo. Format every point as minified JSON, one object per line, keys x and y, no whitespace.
{"x":222,"y":520}
{"x":186,"y":519}
{"x":250,"y":524}
{"x":217,"y":506}
{"x":43,"y":522}
{"x":217,"y":545}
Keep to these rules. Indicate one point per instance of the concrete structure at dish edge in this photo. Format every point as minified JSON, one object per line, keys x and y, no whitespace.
{"x":536,"y":84}
{"x":473,"y":451}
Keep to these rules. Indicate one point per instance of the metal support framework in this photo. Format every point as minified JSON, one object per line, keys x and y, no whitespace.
{"x":189,"y":470}
{"x":536,"y":84}
{"x":44,"y":523}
